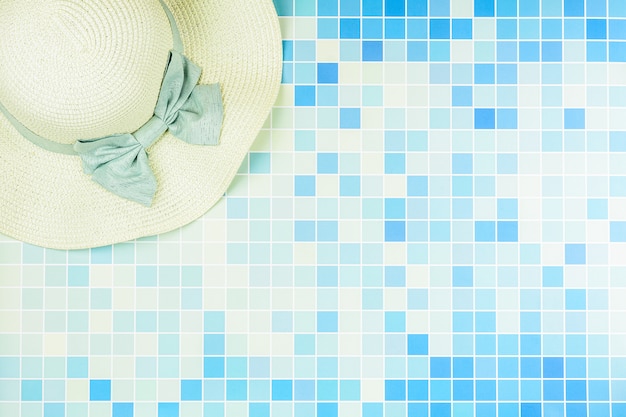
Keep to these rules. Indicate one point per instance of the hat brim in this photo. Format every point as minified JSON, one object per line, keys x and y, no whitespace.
{"x":47,"y":200}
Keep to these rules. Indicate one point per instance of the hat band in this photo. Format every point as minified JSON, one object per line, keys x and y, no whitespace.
{"x":191,"y":112}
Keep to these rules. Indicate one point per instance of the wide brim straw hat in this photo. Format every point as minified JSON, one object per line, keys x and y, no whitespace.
{"x":82,"y":69}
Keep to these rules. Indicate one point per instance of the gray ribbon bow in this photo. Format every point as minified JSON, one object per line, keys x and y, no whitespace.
{"x":191,"y":112}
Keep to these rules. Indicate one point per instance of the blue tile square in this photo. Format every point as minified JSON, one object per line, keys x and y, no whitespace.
{"x":260,"y":162}
{"x":597,"y":209}
{"x":551,"y":51}
{"x":528,"y":8}
{"x":304,"y":185}
{"x":506,"y":8}
{"x":350,"y":118}
{"x":596,"y":29}
{"x":327,"y":231}
{"x":305,"y":231}
{"x":395,"y":163}
{"x":553,"y":390}
{"x":349,"y":186}
{"x":395,"y":390}
{"x":574,"y":8}
{"x":596,"y":51}
{"x":484,"y":73}
{"x":575,"y":254}
{"x":327,"y":409}
{"x":507,"y":208}
{"x":463,"y":390}
{"x":327,"y":390}
{"x":440,"y":409}
{"x":462,"y":96}
{"x":576,"y":390}
{"x":529,"y":51}
{"x":350,"y":390}
{"x":372,"y":51}
{"x":327,"y":163}
{"x":485,"y":390}
{"x":461,"y":28}
{"x":395,"y":321}
{"x":574,"y":118}
{"x":417,"y":7}
{"x":551,"y":29}
{"x":350,"y":7}
{"x":32,"y":390}
{"x":304,"y":390}
{"x":237,"y":366}
{"x":394,"y":29}
{"x":53,"y":410}
{"x":122,"y":410}
{"x":484,"y":118}
{"x":305,"y":95}
{"x":327,"y":96}
{"x":327,"y":7}
{"x":484,"y":8}
{"x":507,"y":74}
{"x":507,"y":231}
{"x":462,"y":276}
{"x":574,"y":29}
{"x":395,"y":8}
{"x":372,"y":7}
{"x":463,"y":367}
{"x":417,"y":51}
{"x":462,"y":163}
{"x":440,"y":390}
{"x":417,"y":29}
{"x":214,"y":344}
{"x":327,"y":28}
{"x":440,"y":367}
{"x":618,"y":231}
{"x":327,"y":73}
{"x":282,"y":390}
{"x":395,"y":208}
{"x":395,"y":231}
{"x":485,"y":231}
{"x":168,"y":409}
{"x":417,"y":390}
{"x":258,"y":410}
{"x":506,"y":29}
{"x":236,"y":390}
{"x":77,"y":367}
{"x":617,"y":29}
{"x":440,"y":29}
{"x":372,"y":28}
{"x":417,"y":344}
{"x":327,"y":321}
{"x":553,"y":367}
{"x":214,"y":367}
{"x":191,"y":390}
{"x":349,"y":29}
{"x":552,"y":276}
{"x":530,"y":410}
{"x":100,"y":390}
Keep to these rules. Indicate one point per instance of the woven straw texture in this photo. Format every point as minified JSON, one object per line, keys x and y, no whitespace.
{"x":46,"y":199}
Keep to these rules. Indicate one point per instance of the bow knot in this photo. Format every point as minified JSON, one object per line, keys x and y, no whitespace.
{"x":191,"y":112}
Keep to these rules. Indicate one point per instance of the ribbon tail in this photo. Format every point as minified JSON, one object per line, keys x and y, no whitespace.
{"x":138,"y":189}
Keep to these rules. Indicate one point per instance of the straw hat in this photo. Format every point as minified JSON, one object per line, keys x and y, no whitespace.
{"x":122,"y":119}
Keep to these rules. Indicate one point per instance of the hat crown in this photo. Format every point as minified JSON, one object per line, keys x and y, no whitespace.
{"x":82,"y":69}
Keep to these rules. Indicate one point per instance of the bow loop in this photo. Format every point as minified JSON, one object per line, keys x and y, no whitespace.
{"x":191,"y":112}
{"x":119,"y":163}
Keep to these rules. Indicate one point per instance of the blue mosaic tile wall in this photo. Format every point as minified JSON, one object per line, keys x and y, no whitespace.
{"x":432,"y":223}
